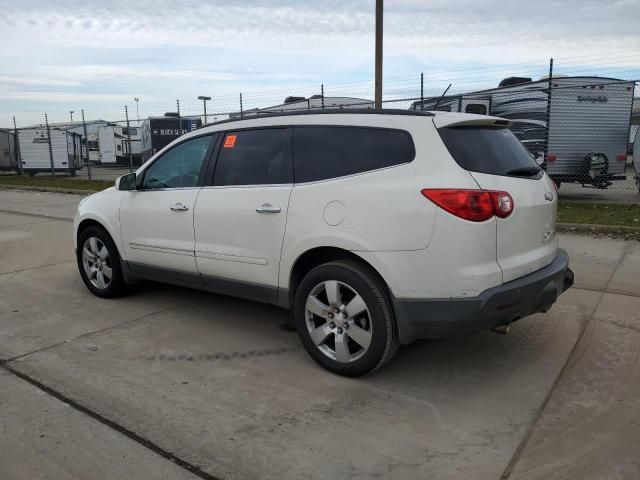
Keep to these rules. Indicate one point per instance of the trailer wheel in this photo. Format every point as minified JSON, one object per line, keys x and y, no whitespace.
{"x":73,"y":173}
{"x":31,"y":174}
{"x":638,"y":184}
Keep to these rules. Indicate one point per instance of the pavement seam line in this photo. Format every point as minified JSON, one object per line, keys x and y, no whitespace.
{"x":36,"y":267}
{"x":191,"y":468}
{"x":607,"y":290}
{"x":29,"y":224}
{"x":86,"y":334}
{"x":540,"y":410}
{"x":39,"y":215}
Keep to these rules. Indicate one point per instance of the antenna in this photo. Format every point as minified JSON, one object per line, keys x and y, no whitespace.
{"x":442,"y":96}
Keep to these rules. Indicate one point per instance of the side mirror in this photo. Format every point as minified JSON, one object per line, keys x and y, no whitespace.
{"x":126,"y":182}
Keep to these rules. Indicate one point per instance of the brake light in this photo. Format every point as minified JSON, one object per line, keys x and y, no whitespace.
{"x":472,"y":205}
{"x":551,"y":158}
{"x":621,"y":158}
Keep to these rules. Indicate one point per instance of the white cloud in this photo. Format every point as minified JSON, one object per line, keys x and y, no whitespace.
{"x":53,"y":82}
{"x":71,"y":52}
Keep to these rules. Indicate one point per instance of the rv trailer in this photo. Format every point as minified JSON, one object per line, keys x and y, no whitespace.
{"x":65,"y":154}
{"x":587,"y":123}
{"x":158,"y":132}
{"x":78,"y":128}
{"x":466,"y":103}
{"x":113,"y":145}
{"x":8,"y":154}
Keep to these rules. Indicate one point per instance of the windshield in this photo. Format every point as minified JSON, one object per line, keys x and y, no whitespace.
{"x":491,"y":150}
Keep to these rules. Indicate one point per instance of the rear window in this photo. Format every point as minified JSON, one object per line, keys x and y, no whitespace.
{"x":491,"y":150}
{"x":320,"y":153}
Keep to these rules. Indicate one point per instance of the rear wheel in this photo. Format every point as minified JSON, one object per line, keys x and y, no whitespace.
{"x":344,"y":319}
{"x":99,"y":263}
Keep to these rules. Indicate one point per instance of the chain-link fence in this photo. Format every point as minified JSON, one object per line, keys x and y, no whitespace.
{"x":579,"y":128}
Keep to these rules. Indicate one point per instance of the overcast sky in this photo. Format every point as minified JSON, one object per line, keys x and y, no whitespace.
{"x":66,"y":55}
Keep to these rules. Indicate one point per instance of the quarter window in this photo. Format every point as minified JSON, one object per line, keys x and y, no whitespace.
{"x":180,"y":167}
{"x":253,"y":157}
{"x":477,"y":108}
{"x":320,"y":153}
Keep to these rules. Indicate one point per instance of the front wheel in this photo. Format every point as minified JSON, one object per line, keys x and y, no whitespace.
{"x":344,"y":319}
{"x":99,"y":263}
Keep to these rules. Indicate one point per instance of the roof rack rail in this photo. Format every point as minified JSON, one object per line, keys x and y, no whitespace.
{"x":327,"y":111}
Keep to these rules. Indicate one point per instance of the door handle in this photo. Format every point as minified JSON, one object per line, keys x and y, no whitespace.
{"x":179,"y":207}
{"x":268,"y":208}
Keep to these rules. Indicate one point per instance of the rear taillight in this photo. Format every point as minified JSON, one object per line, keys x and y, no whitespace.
{"x":621,"y":158}
{"x":473,"y":205}
{"x":551,"y":158}
{"x":502,"y":204}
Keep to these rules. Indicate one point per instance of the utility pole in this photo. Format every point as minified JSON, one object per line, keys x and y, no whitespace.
{"x":378,"y":80}
{"x":71,"y":114}
{"x":204,"y":104}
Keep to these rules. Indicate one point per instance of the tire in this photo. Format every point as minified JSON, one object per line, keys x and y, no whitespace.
{"x":95,"y":264}
{"x":346,"y":343}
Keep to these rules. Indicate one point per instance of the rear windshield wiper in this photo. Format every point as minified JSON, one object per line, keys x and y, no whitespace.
{"x":524,"y":171}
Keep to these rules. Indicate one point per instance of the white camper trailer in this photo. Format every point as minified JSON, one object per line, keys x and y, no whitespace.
{"x":65,"y":154}
{"x":123,"y":135}
{"x":111,"y":145}
{"x":106,"y":143}
{"x":583,"y":123}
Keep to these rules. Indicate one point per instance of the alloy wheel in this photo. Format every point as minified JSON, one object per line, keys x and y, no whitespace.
{"x":97,"y":263}
{"x":338,"y":321}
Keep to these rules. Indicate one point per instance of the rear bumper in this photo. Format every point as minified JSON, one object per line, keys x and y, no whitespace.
{"x":447,"y":317}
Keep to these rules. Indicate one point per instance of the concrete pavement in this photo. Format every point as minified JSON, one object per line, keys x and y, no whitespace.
{"x":173,"y":380}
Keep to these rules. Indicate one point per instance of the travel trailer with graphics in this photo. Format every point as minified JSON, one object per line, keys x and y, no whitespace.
{"x":583,"y":122}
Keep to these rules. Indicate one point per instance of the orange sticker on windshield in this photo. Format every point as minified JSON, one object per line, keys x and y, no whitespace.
{"x":229,"y":141}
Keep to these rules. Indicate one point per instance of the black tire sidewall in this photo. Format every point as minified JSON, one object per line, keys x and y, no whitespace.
{"x":375,"y":300}
{"x":117,"y":283}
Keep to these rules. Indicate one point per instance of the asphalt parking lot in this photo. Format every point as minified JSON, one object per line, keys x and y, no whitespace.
{"x":176,"y":384}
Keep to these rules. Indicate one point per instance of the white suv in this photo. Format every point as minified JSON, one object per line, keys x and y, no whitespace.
{"x":375,"y":228}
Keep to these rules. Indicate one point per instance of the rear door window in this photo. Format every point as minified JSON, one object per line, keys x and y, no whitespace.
{"x":491,"y":150}
{"x":254,"y":157}
{"x":324,"y":152}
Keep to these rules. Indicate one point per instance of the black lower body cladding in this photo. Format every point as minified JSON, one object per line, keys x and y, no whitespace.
{"x":449,"y":317}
